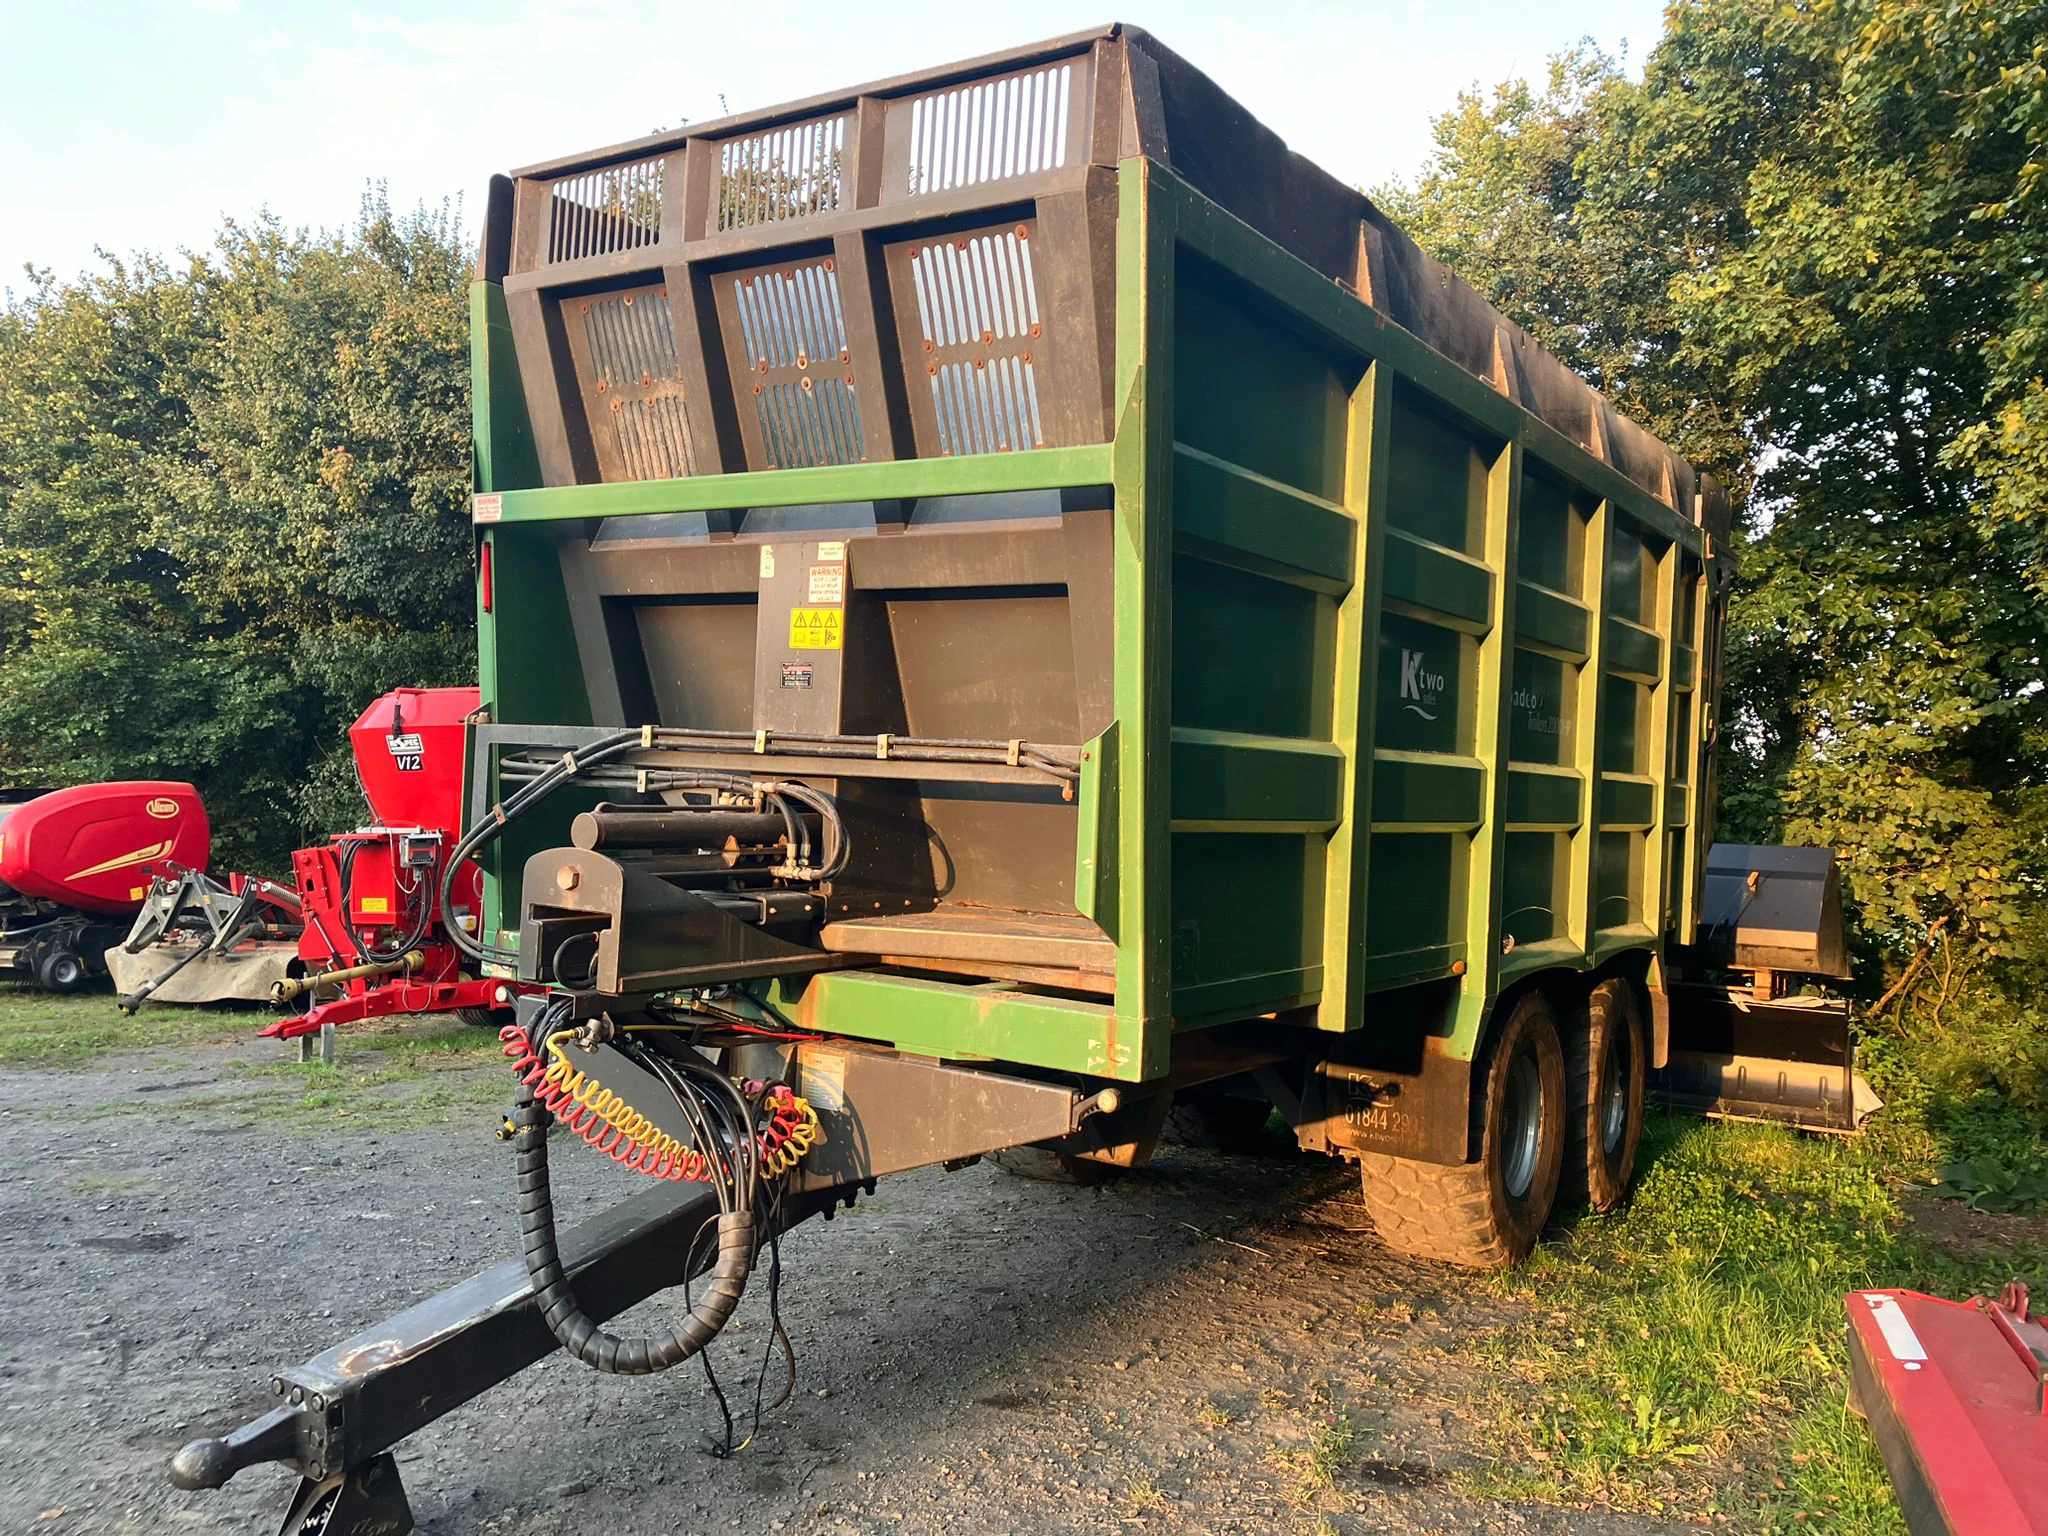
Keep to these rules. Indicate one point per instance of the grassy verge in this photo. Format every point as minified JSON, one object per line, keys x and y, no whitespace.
{"x":397,"y":1074}
{"x":43,"y":1029}
{"x":1687,"y":1355}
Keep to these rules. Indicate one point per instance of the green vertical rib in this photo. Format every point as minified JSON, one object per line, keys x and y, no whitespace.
{"x":1352,"y":715}
{"x":1592,"y":722}
{"x":1142,"y":458}
{"x":526,"y":666}
{"x":1490,"y":746}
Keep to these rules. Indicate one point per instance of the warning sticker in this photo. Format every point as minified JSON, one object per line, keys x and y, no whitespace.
{"x":832,"y":549}
{"x":827,"y":585}
{"x":377,"y":904}
{"x":767,"y":561}
{"x":488,"y":508}
{"x":824,"y":1075}
{"x":815,"y":629}
{"x":796,"y":674}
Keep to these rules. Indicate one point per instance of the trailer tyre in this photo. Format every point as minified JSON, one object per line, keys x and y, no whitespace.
{"x":1043,"y":1166}
{"x":1604,"y":1109}
{"x":1486,"y":1214}
{"x":1222,"y":1124}
{"x":61,"y":970}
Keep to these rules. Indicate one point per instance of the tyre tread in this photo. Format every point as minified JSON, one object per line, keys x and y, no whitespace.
{"x":1582,"y":1087}
{"x":1434,"y":1210}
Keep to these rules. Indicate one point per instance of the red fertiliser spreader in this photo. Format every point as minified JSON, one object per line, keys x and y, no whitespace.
{"x":375,"y":941}
{"x":1956,"y":1394}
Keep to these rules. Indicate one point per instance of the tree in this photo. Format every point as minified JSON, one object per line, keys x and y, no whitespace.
{"x":1810,"y":240}
{"x":233,"y":489}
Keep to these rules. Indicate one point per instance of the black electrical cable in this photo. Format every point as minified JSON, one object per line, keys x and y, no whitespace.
{"x":724,"y":1448}
{"x":422,"y":912}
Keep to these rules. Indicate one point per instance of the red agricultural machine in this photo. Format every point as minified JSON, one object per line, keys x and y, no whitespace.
{"x":361,"y":932}
{"x":375,"y":942}
{"x":76,"y":864}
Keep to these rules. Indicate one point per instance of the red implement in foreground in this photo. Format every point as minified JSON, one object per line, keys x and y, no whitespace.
{"x":375,"y":942}
{"x":1957,"y":1398}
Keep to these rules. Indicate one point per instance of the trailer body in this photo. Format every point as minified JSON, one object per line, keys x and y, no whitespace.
{"x":1049,"y":397}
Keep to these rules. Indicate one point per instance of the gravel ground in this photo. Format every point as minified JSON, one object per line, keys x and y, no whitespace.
{"x":1179,"y":1351}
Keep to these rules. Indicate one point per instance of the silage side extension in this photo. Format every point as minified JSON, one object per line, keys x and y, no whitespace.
{"x":1006,"y":597}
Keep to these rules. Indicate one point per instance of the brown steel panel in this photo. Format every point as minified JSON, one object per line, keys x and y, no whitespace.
{"x":529,"y":224}
{"x":1077,"y":242}
{"x":1006,"y":59}
{"x":974,"y":326}
{"x":549,"y":384}
{"x":628,"y":367}
{"x":1008,"y":139}
{"x":1106,"y":118}
{"x":868,"y":154}
{"x":699,"y":661}
{"x":707,"y":386}
{"x":606,"y":681}
{"x":787,"y":349}
{"x":996,"y":128}
{"x":874,"y":360}
{"x":1063,"y":943}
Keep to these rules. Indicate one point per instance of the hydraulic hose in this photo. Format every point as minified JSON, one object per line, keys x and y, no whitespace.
{"x":539,"y":779}
{"x":577,"y":1332}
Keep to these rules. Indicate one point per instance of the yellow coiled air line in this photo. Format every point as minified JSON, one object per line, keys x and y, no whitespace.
{"x":576,"y":1099}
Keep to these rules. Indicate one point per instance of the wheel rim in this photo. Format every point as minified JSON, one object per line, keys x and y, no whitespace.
{"x":1614,"y":1096}
{"x":66,"y":971}
{"x":1521,"y":1125}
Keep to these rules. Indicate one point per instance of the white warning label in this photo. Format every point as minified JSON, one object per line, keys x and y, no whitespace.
{"x":827,"y":585}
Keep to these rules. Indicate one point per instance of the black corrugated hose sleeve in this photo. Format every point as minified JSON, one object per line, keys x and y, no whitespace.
{"x":579,"y":1334}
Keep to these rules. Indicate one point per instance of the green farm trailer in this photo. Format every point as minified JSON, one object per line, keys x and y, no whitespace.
{"x":1008,"y":600}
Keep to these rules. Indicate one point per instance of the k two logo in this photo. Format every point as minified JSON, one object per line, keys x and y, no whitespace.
{"x":1421,"y":689}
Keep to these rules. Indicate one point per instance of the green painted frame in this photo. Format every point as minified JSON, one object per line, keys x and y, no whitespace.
{"x":1145,"y":782}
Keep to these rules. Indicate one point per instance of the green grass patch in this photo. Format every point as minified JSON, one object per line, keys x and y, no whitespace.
{"x":106,"y":1184}
{"x":1688,"y":1353}
{"x":44,"y":1029}
{"x":1314,"y":1467}
{"x":399,"y":1075}
{"x":431,"y":1070}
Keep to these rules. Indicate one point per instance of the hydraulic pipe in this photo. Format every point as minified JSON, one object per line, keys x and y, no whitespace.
{"x":293,"y":988}
{"x":661,"y":826}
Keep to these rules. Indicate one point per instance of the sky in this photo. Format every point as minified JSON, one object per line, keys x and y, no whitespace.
{"x":130,"y":125}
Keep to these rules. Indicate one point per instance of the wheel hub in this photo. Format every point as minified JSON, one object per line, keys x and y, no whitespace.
{"x":1521,"y":1125}
{"x":1614,"y":1097}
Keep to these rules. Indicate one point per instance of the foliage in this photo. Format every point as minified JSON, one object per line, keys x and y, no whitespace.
{"x":231,"y":500}
{"x":1686,"y":1354}
{"x":1812,"y":239}
{"x":1994,"y":1187}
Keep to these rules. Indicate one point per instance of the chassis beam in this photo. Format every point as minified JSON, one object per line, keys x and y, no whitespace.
{"x":340,"y":1413}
